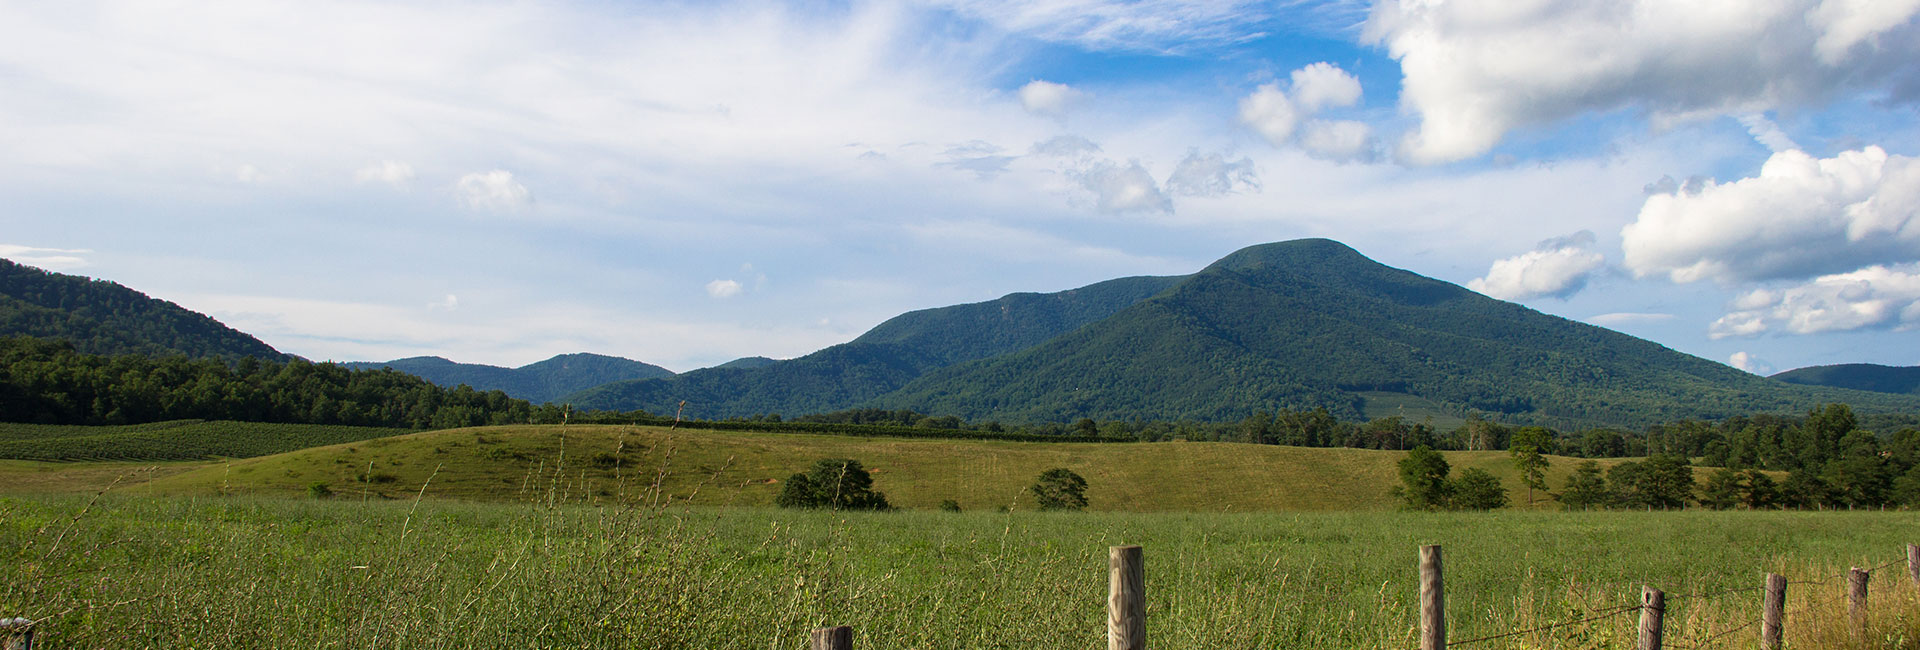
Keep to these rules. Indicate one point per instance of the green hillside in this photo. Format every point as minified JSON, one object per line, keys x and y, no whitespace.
{"x":173,"y":440}
{"x":1903,"y":380}
{"x":882,"y":360}
{"x":539,"y":382}
{"x":737,"y":468}
{"x":102,"y":317}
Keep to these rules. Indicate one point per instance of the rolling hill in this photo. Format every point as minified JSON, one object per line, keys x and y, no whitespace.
{"x":1298,"y":324}
{"x":880,"y":361}
{"x":101,"y":317}
{"x":538,"y":382}
{"x":1904,"y":380}
{"x":746,"y":469}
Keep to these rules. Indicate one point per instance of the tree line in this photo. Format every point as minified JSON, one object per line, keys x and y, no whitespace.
{"x":50,"y":382}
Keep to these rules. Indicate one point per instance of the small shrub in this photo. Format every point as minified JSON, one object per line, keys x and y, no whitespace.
{"x":378,"y":477}
{"x":837,"y":483}
{"x":608,"y":460}
{"x":950,"y":505}
{"x":319,"y":490}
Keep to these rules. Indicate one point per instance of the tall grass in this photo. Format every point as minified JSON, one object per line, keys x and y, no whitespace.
{"x":571,"y":566}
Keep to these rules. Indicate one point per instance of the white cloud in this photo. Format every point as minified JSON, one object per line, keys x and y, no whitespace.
{"x":1339,"y":140}
{"x":1212,"y":175}
{"x":1271,"y":113}
{"x":494,"y":190}
{"x":1558,"y":268}
{"x":1800,"y":217}
{"x":1277,"y":114}
{"x":724,"y":288}
{"x":51,"y":259}
{"x":1322,"y":85}
{"x":1475,"y":69}
{"x":1876,"y":297}
{"x":449,"y":303}
{"x":1048,"y":98}
{"x":1767,"y":133}
{"x":248,"y":173}
{"x":391,"y":172}
{"x":1154,"y":25}
{"x":1616,"y":319}
{"x":1746,"y":361}
{"x":1127,"y":188}
{"x":1066,"y":146}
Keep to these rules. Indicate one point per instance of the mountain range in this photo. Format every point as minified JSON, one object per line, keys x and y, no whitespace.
{"x":538,"y":382}
{"x":1903,"y":380}
{"x":1299,"y":324}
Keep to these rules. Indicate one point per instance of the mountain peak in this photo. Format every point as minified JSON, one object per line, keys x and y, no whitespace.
{"x":1292,"y":253}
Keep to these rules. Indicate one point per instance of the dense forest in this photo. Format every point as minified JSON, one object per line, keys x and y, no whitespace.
{"x":52,"y":382}
{"x":105,"y":318}
{"x":539,"y":382}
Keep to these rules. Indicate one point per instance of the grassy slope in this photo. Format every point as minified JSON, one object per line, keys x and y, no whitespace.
{"x":731,"y":468}
{"x":172,"y":440}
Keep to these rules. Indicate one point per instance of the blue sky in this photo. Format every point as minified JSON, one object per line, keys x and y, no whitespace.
{"x":687,"y":183}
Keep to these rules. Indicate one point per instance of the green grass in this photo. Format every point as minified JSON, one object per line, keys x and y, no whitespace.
{"x":1414,"y":409}
{"x":560,"y":570}
{"x":175,"y":440}
{"x":745,"y":469}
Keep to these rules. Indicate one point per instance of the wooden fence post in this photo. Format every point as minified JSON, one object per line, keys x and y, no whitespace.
{"x":1433,"y":600}
{"x":1653,"y":611}
{"x":1913,"y":563}
{"x":16,"y":634}
{"x":833,"y":638}
{"x":1126,"y":599}
{"x":1771,"y":612}
{"x":1857,"y":599}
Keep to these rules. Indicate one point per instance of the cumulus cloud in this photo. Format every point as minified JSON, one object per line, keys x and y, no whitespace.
{"x":1271,"y":113}
{"x":391,"y":172}
{"x":1475,"y":69}
{"x":1876,"y":297}
{"x":1557,"y":268}
{"x":1750,"y":363}
{"x":1048,"y":99}
{"x":494,"y":190}
{"x":1802,"y":216}
{"x":1339,"y":140}
{"x":1278,"y":114}
{"x":1322,"y":85}
{"x":724,"y":288}
{"x":1123,"y":188}
{"x":449,"y":303}
{"x":51,"y":259}
{"x":1211,"y":175}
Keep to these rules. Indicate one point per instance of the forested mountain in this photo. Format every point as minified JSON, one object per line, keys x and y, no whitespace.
{"x":882,"y":360}
{"x":1314,"y":323}
{"x":748,"y":363}
{"x":1300,"y":324}
{"x":50,"y":382}
{"x":102,"y":317}
{"x":1858,"y":376}
{"x":538,"y":382}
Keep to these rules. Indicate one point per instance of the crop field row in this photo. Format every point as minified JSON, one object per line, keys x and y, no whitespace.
{"x":174,"y":440}
{"x":558,"y":571}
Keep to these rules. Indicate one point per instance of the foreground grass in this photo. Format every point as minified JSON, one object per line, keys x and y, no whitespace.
{"x":562,"y":571}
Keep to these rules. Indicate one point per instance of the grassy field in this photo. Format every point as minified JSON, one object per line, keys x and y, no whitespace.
{"x":174,"y":440}
{"x":745,"y":469}
{"x":254,"y":572}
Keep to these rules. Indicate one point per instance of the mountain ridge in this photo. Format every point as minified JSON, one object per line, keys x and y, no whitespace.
{"x":537,"y":382}
{"x":1900,"y":380}
{"x":107,"y":318}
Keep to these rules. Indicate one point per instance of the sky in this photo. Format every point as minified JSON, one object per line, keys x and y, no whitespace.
{"x":689,"y":183}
